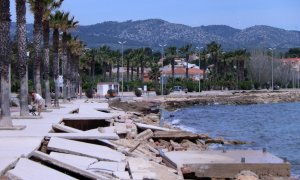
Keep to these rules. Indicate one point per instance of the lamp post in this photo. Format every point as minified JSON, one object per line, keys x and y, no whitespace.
{"x":199,"y":49}
{"x":122,"y":44}
{"x":272,"y":49}
{"x":161,"y":77}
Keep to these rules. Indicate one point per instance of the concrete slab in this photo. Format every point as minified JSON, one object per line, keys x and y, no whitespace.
{"x":84,"y":149}
{"x":122,"y":174}
{"x":85,"y":136}
{"x":146,"y":126}
{"x":108,"y":166}
{"x":64,"y":128}
{"x":219,"y":164}
{"x":141,"y":168}
{"x":67,"y":166}
{"x":30,"y":170}
{"x":78,"y":161}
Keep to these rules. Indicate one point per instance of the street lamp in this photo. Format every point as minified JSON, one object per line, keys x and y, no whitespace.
{"x":122,"y":44}
{"x":272,"y":49}
{"x":161,"y":77}
{"x":199,"y":49}
{"x":162,"y":49}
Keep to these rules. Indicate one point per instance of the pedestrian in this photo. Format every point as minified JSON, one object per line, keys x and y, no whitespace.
{"x":39,"y":101}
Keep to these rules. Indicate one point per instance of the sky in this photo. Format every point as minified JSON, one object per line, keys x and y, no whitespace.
{"x":239,"y":14}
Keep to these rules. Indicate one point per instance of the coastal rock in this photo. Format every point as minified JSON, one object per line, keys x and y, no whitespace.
{"x":246,"y":175}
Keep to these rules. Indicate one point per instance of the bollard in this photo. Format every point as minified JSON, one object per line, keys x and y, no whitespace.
{"x":285,"y":160}
{"x":243,"y":160}
{"x":224,"y":150}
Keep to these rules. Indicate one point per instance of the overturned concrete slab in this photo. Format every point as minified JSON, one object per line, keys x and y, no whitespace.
{"x":107,"y":166}
{"x":59,"y":162}
{"x":85,"y":136}
{"x":219,"y":164}
{"x":156,"y":128}
{"x":30,"y":170}
{"x":84,"y":149}
{"x":141,"y":169}
{"x":64,"y":128}
{"x":78,"y":161}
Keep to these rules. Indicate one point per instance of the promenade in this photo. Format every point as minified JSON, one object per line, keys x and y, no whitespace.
{"x":17,"y":143}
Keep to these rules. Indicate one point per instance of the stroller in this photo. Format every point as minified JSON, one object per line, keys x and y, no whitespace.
{"x":32,"y":110}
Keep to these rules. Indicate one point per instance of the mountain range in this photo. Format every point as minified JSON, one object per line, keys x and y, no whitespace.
{"x":152,"y":32}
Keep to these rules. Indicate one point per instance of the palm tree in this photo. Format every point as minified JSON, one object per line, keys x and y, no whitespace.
{"x":171,"y":53}
{"x":22,"y":61}
{"x":5,"y":21}
{"x":49,"y":7}
{"x":67,"y":23}
{"x":55,"y":23}
{"x":185,"y":51}
{"x":37,"y":38}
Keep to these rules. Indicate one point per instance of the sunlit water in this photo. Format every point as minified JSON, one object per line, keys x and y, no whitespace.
{"x":272,"y":126}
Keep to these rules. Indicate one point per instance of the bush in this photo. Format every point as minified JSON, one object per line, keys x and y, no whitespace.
{"x":111,"y":93}
{"x":89,"y":93}
{"x":158,"y":92}
{"x":138,"y":92}
{"x":246,"y":85}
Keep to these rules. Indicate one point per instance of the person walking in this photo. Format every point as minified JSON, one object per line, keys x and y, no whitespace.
{"x":39,"y":101}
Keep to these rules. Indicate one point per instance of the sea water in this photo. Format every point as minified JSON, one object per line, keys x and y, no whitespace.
{"x":275,"y":127}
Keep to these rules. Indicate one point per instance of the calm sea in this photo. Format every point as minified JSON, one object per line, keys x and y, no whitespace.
{"x":272,"y":126}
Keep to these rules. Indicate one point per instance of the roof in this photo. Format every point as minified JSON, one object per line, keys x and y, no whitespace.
{"x":107,"y":83}
{"x":192,"y":71}
{"x":291,"y":59}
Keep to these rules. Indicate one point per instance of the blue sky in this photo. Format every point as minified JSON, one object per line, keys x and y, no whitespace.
{"x":236,"y":13}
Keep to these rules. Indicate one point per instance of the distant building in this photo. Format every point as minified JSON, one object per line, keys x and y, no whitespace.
{"x":194,"y":73}
{"x":294,"y":62}
{"x":103,"y":87}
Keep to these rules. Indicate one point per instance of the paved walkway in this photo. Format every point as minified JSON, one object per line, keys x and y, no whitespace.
{"x":14,"y":144}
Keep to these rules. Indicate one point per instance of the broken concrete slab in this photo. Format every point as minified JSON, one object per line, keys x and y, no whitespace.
{"x":145,"y":135}
{"x":110,"y":129}
{"x":121,"y":174}
{"x":78,"y":161}
{"x":84,"y":149}
{"x":107,"y":166}
{"x":30,"y":170}
{"x":63,"y":128}
{"x":140,"y":169}
{"x":85,"y":136}
{"x":175,"y":135}
{"x":219,"y":164}
{"x":67,"y":166}
{"x":156,"y":128}
{"x":26,"y":117}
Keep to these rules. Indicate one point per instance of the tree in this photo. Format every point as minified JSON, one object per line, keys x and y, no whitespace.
{"x":5,"y":21}
{"x":49,"y":7}
{"x":185,"y":51}
{"x":22,"y":60}
{"x":171,"y":53}
{"x":55,"y":24}
{"x":66,"y":24}
{"x":37,"y":38}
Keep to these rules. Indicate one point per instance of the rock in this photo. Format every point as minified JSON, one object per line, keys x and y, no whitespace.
{"x":246,"y":175}
{"x":145,"y":135}
{"x":214,"y":141}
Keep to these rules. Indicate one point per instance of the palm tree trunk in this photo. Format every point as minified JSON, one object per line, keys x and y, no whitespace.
{"x":21,"y":40}
{"x":187,"y":66}
{"x":37,"y":33}
{"x":55,"y":64}
{"x":5,"y":118}
{"x":132,"y":71}
{"x":64,"y":64}
{"x":173,"y":68}
{"x":137,"y":72}
{"x":142,"y":70}
{"x":46,"y":33}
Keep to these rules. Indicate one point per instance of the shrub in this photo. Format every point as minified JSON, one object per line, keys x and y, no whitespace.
{"x":89,"y":93}
{"x":246,"y":85}
{"x":138,"y":92}
{"x":166,"y":91}
{"x":111,"y":93}
{"x":158,"y":92}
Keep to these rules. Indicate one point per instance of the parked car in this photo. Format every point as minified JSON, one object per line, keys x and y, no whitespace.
{"x":179,"y":88}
